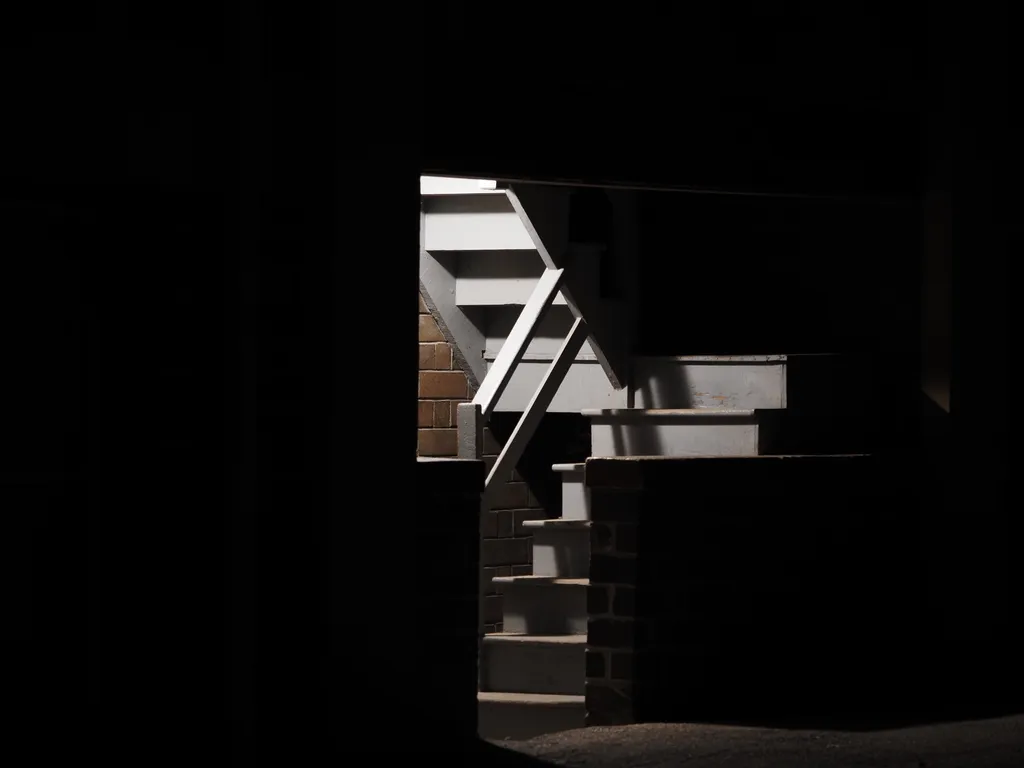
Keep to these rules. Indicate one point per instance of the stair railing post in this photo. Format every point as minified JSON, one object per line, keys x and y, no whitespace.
{"x":470,"y":423}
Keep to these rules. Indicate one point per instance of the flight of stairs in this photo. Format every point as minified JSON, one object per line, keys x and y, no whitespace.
{"x":484,"y":249}
{"x":532,"y":674}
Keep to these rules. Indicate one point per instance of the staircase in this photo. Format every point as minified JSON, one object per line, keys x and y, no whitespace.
{"x":524,"y":307}
{"x":532,"y":674}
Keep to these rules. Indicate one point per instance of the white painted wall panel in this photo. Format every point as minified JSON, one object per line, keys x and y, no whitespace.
{"x":646,"y":436}
{"x":585,"y":386}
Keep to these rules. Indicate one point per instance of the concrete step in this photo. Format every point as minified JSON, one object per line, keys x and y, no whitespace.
{"x":516,"y":716}
{"x":710,"y":381}
{"x":674,"y":432}
{"x":575,"y":499}
{"x":516,"y":663}
{"x":542,"y":605}
{"x":473,"y":222}
{"x":561,"y":548}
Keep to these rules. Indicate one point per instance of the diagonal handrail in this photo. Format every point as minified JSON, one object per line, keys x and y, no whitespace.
{"x":512,"y":351}
{"x":538,"y":404}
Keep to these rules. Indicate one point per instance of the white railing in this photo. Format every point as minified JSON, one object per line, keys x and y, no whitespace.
{"x":473,"y":415}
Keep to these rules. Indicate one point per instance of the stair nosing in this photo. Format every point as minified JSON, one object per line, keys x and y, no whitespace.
{"x":525,"y":638}
{"x":654,"y":413}
{"x":539,"y":580}
{"x":554,"y":524}
{"x":550,"y":699}
{"x":715,"y":358}
{"x":568,"y":468}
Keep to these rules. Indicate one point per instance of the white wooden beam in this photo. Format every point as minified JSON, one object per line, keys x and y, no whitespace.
{"x":545,"y":215}
{"x":499,"y":374}
{"x":538,"y":405}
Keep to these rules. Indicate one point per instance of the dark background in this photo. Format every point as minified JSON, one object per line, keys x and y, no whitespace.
{"x":193,"y":209}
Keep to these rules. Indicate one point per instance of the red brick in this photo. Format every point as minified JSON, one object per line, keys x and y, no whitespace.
{"x":435,"y":356}
{"x":506,"y":523}
{"x":438,"y":442}
{"x":489,"y":525}
{"x":487,"y":587}
{"x":442,"y":416}
{"x":427,"y":357}
{"x":423,"y":307}
{"x":429,"y":330}
{"x":442,"y":384}
{"x":443,"y":356}
{"x":425,"y":416}
{"x":510,"y":496}
{"x":504,"y":551}
{"x":492,"y":609}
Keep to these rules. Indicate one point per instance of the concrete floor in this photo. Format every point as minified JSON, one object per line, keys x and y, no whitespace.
{"x":994,"y":743}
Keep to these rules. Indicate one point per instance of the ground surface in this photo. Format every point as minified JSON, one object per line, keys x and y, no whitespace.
{"x":972,"y":744}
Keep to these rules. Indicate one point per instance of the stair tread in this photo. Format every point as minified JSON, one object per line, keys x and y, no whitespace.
{"x":531,"y":698}
{"x":656,"y":412}
{"x":568,"y":467}
{"x":527,"y":639}
{"x":538,"y":698}
{"x":537,"y":580}
{"x":557,"y":522}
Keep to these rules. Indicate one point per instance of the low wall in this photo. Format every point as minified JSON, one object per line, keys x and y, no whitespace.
{"x":751,"y":589}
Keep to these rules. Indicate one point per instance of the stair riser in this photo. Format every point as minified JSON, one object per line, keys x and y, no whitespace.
{"x":575,"y":498}
{"x":545,"y":609}
{"x":473,"y":223}
{"x":653,"y":437}
{"x":506,"y":720}
{"x":517,"y":667}
{"x":709,"y":383}
{"x":561,"y":553}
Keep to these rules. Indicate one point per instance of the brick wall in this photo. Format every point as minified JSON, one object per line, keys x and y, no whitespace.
{"x":751,"y":589}
{"x":505,"y":548}
{"x":611,"y":606}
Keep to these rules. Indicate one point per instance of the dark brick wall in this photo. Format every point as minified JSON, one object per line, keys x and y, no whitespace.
{"x":752,"y":590}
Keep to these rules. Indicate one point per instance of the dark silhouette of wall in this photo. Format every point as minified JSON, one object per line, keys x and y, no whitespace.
{"x":788,"y":591}
{"x":184,"y":561}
